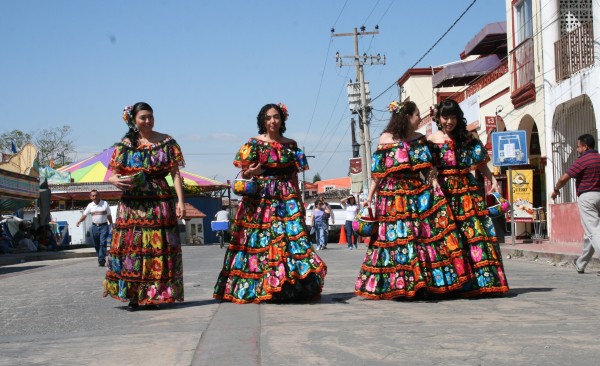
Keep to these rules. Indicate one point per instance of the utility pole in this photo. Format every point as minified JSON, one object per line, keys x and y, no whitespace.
{"x":304,"y":178}
{"x":363,"y":110}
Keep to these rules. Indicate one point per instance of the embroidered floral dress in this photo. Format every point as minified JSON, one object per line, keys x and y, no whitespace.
{"x":417,"y":245}
{"x":270,"y":256}
{"x":144,"y":261}
{"x":467,"y":201}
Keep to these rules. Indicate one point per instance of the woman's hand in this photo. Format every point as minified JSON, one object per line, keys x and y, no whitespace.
{"x":180,"y":210}
{"x":119,"y":182}
{"x":436,"y":185}
{"x":494,"y":186}
{"x":253,"y":170}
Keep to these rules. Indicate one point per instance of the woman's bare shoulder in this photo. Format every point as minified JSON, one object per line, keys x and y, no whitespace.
{"x":386,"y":138}
{"x":436,"y":137}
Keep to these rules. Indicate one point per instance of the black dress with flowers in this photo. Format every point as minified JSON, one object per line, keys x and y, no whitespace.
{"x":467,"y":201}
{"x":144,"y":262}
{"x":417,"y":245}
{"x":270,"y":256}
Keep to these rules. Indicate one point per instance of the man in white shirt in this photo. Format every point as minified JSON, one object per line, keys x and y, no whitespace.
{"x":101,"y":219}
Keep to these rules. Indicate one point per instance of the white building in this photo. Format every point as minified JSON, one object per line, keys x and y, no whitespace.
{"x":571,"y":51}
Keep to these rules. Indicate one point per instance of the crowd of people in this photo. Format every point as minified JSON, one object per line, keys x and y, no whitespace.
{"x":27,"y":239}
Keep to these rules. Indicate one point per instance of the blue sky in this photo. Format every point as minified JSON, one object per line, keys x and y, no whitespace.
{"x":208,"y":67}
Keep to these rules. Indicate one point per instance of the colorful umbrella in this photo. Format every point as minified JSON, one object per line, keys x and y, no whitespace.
{"x":95,"y":169}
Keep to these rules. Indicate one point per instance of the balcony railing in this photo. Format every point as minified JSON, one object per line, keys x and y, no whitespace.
{"x":522,"y":64}
{"x":574,"y":51}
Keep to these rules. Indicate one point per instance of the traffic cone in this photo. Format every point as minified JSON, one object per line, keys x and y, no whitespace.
{"x":343,"y":239}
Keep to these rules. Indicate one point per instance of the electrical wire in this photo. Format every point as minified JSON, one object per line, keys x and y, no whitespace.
{"x":312,"y":117}
{"x":430,"y":48}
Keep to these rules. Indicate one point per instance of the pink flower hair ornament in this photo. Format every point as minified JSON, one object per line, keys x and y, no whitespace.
{"x":284,"y":110}
{"x":127,"y":117}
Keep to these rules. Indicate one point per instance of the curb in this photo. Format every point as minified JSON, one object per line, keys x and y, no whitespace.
{"x":555,"y":258}
{"x":9,"y":259}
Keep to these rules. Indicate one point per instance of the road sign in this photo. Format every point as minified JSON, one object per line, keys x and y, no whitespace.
{"x":509,"y":148}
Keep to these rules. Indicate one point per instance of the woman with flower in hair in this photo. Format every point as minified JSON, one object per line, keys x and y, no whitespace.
{"x":415,"y":249}
{"x":270,"y":255}
{"x":144,"y":264}
{"x":457,"y":154}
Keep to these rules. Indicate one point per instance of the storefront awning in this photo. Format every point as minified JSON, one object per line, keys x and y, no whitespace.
{"x":490,"y":40}
{"x":17,"y":190}
{"x":463,"y":73}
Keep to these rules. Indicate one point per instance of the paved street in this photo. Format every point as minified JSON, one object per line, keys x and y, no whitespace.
{"x":51,"y":312}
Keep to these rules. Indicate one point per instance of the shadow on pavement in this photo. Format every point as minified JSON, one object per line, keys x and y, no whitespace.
{"x":9,"y":270}
{"x":524,"y":290}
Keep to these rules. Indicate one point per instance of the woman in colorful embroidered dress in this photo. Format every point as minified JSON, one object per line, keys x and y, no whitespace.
{"x":456,"y":153}
{"x":144,"y":263}
{"x":270,"y":256}
{"x":416,"y":246}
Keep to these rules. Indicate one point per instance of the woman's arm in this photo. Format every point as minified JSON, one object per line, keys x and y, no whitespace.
{"x":485,"y":170}
{"x":372,"y":190}
{"x":176,"y":175}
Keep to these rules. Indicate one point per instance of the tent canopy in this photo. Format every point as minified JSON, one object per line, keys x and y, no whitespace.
{"x":95,"y":169}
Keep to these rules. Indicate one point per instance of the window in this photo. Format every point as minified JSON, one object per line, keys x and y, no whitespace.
{"x":523,"y":27}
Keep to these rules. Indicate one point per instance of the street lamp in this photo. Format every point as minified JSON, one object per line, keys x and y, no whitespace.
{"x":355,"y":149}
{"x":498,"y":110}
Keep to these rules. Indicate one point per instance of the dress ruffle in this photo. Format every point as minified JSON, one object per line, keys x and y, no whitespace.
{"x":467,"y":202}
{"x":144,"y":262}
{"x":416,"y":246}
{"x":270,"y":256}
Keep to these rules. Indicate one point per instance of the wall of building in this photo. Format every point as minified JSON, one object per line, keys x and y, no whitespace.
{"x":556,"y":93}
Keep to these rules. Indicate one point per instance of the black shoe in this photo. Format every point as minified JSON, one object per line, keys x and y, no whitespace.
{"x":101,"y":263}
{"x":133,"y":306}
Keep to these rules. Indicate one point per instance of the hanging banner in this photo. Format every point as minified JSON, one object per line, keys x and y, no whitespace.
{"x":356,"y":176}
{"x":522,"y":195}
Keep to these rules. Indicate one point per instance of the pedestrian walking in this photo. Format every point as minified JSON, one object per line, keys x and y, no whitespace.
{"x":270,"y":255}
{"x":349,"y":204}
{"x":457,"y":153}
{"x":586,"y":172}
{"x":320,"y":218}
{"x":102,"y":223}
{"x":144,"y":263}
{"x":416,"y":248}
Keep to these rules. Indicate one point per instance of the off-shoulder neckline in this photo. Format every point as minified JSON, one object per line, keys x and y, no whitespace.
{"x":167,"y":139}
{"x":397,"y":143}
{"x":254,"y":140}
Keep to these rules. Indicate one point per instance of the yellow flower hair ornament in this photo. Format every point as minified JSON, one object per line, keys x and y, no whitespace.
{"x":395,"y":107}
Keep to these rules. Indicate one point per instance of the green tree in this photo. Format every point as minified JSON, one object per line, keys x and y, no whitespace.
{"x":19,"y":138}
{"x":316,"y":178}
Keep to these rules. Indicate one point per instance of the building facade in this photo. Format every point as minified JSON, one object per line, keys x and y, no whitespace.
{"x":571,"y":51}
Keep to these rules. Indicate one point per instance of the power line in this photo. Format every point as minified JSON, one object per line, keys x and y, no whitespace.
{"x":372,"y":10}
{"x":430,"y":48}
{"x":312,"y":117}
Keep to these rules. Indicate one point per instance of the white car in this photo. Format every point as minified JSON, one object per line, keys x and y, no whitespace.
{"x":338,"y":213}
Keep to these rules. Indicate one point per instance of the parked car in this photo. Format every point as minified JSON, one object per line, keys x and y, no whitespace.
{"x":335,"y":226}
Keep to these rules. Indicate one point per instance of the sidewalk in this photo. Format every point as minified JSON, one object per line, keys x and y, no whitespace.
{"x":76,"y":252}
{"x":558,"y":253}
{"x":555,"y":252}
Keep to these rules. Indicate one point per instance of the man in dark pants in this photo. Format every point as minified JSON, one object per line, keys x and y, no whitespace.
{"x":101,"y":219}
{"x":586,"y":171}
